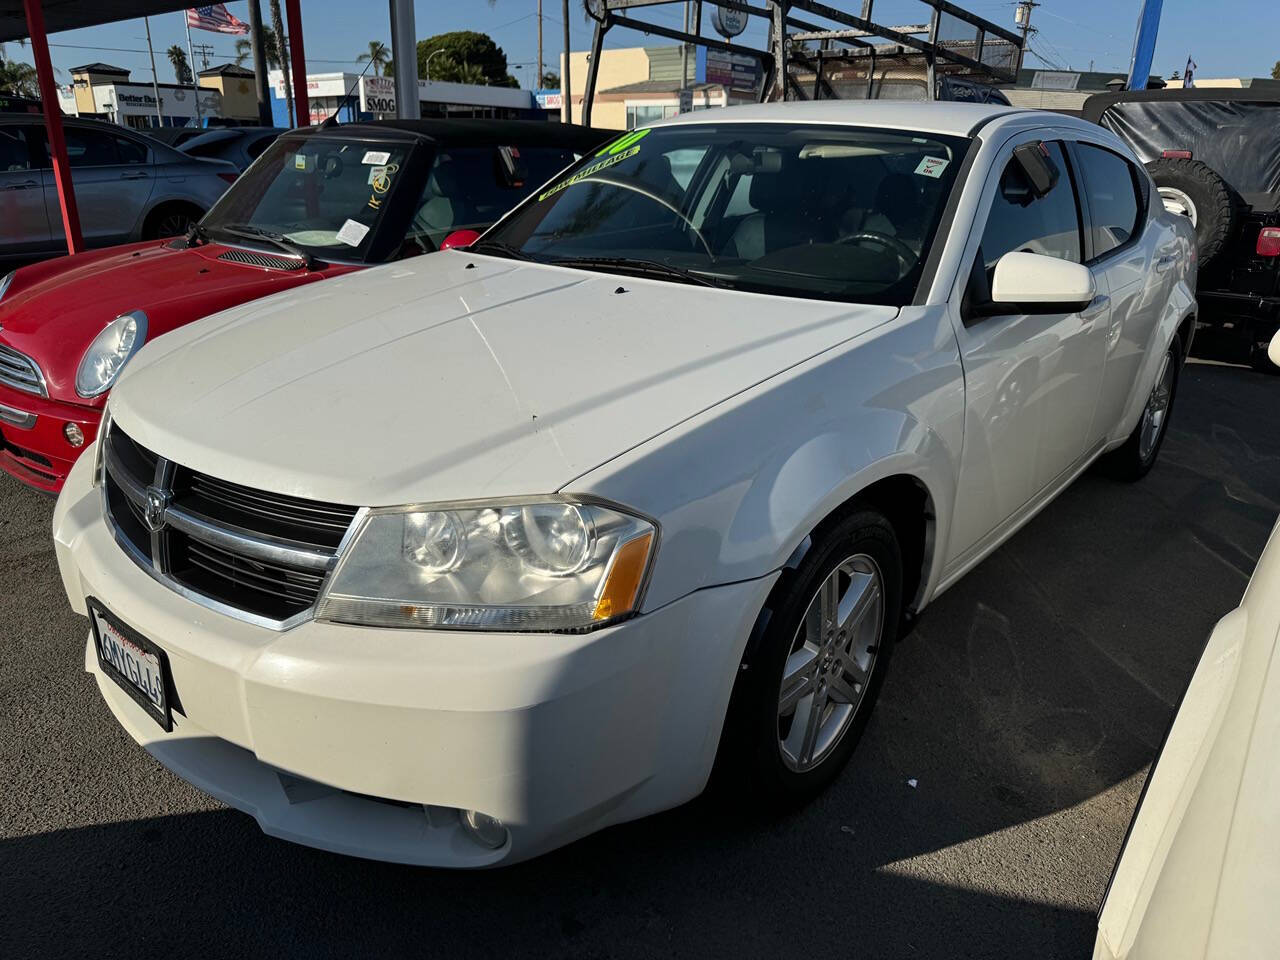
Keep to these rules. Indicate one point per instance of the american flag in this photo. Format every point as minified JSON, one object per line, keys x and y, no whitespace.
{"x":216,"y":18}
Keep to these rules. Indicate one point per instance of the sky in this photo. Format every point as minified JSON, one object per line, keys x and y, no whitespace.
{"x":1225,"y":37}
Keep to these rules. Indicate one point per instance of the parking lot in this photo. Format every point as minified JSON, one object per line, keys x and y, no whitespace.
{"x":981,"y":816}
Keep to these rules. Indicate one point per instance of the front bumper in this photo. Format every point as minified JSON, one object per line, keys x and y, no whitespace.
{"x":338,"y":736}
{"x":33,"y":446}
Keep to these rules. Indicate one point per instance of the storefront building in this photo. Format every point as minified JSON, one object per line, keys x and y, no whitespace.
{"x":104,"y":92}
{"x":352,"y":96}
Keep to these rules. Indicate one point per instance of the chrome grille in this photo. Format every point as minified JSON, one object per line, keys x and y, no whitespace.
{"x":259,"y":555}
{"x":19,"y":371}
{"x":262,"y":260}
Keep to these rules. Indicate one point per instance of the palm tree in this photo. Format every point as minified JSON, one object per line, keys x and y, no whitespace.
{"x":244,"y":49}
{"x":379,"y":55}
{"x":181,"y":69}
{"x":18,"y":78}
{"x":471,"y":73}
{"x":282,"y":53}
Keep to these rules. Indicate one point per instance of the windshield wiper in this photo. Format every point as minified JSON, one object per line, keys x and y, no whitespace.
{"x":500,"y":249}
{"x":642,"y":268}
{"x":197,"y":235}
{"x":283,"y":243}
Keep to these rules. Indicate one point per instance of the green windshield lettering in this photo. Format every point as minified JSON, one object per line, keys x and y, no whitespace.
{"x":592,"y":168}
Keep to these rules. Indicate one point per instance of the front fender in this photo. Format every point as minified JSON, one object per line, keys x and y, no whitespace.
{"x":738,"y":487}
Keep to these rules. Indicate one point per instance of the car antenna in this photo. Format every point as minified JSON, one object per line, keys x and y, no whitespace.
{"x":330,"y":122}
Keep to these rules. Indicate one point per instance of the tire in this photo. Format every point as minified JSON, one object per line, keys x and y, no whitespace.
{"x":170,"y":220}
{"x":1134,"y":460}
{"x":1211,"y":205}
{"x":762,"y":750}
{"x":1260,"y":359}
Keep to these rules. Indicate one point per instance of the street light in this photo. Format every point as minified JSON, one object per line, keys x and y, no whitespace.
{"x":427,"y":66}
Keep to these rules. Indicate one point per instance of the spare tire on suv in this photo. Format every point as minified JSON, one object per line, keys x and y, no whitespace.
{"x":1192,"y":188}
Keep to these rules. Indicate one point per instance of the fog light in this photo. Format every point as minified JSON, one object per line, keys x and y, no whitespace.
{"x":485,"y":830}
{"x":74,"y":435}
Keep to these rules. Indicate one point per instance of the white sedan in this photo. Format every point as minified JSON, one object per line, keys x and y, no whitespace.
{"x":457,"y":560}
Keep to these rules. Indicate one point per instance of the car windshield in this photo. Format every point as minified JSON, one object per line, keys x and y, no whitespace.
{"x":323,"y":194}
{"x":828,"y":212}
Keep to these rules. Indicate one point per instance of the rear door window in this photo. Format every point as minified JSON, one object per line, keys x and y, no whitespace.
{"x":1114,"y":202}
{"x":91,"y":148}
{"x":1019,"y":220}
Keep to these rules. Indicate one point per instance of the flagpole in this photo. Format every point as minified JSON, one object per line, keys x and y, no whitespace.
{"x":155,"y":85}
{"x":191,"y":52}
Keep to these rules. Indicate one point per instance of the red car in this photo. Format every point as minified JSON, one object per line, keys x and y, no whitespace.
{"x":319,"y":202}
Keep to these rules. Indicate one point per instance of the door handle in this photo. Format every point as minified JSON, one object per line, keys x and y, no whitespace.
{"x":1095,"y":307}
{"x":133,"y":176}
{"x":1165,"y":262}
{"x":24,"y":185}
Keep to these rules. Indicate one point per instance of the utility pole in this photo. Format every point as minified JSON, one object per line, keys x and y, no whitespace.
{"x":205,"y":51}
{"x":566,"y":91}
{"x":537,"y":82}
{"x":259,"y":64}
{"x":1022,"y":17}
{"x":191,"y":51}
{"x":155,"y":83}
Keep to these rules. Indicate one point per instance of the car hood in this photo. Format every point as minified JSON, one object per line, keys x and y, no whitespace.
{"x":454,"y":376}
{"x":53,"y":310}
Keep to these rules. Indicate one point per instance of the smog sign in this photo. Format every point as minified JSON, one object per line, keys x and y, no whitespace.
{"x":378,"y":95}
{"x":729,"y":21}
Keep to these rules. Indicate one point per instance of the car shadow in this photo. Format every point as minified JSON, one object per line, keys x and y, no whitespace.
{"x":980,"y":816}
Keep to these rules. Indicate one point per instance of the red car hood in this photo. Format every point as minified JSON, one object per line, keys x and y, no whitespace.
{"x":54,"y":309}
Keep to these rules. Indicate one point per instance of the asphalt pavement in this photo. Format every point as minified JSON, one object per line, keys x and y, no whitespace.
{"x":980,"y":817}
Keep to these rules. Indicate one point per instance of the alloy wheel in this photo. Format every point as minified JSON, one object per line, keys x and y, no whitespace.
{"x":1156,"y":412}
{"x":832,"y":658}
{"x":1176,"y":201}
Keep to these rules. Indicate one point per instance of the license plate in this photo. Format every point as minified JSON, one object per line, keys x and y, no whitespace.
{"x":134,"y":662}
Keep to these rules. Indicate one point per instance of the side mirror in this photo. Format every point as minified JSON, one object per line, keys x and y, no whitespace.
{"x":1273,"y":351}
{"x":1034,"y":283}
{"x":460,"y":238}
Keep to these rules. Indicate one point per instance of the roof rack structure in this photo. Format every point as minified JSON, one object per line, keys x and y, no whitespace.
{"x":816,"y":51}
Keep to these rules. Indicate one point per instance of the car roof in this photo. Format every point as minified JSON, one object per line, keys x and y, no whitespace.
{"x":470,"y":132}
{"x":1097,"y":104}
{"x":935,"y":116}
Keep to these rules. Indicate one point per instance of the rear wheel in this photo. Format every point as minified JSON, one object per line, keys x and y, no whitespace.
{"x":805,"y":693}
{"x":170,"y":220}
{"x":1134,"y":460}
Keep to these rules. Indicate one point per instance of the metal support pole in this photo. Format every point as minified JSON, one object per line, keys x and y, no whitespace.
{"x":53,"y":126}
{"x":195,"y":83}
{"x":404,"y":55}
{"x":778,"y":38}
{"x":593,"y":71}
{"x":566,"y":89}
{"x":537,"y":83}
{"x":155,"y":81}
{"x":259,"y":64}
{"x":298,"y":58}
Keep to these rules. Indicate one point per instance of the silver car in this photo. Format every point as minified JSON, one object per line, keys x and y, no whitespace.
{"x":128,"y":186}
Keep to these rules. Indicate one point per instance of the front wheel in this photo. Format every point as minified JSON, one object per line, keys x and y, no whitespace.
{"x":1134,"y":460}
{"x":806,"y":690}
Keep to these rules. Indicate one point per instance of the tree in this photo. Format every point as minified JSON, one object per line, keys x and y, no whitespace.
{"x":271,"y":48}
{"x":1275,"y":71}
{"x":18,"y":78}
{"x":465,"y":54}
{"x":378,"y":55}
{"x":549,"y":80}
{"x":181,"y":69}
{"x":282,"y":51}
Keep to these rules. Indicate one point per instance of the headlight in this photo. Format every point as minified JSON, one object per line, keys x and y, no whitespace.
{"x":109,"y":352}
{"x":4,"y":283}
{"x":548,"y":564}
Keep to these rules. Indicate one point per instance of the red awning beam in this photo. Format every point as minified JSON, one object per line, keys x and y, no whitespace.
{"x":53,"y":126}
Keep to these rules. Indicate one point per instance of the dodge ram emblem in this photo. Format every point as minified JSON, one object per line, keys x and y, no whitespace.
{"x":153,"y":513}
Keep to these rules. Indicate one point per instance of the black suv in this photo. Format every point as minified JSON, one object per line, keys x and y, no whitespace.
{"x":1214,"y":155}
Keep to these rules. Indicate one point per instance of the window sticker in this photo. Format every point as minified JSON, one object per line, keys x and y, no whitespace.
{"x":590,"y":169}
{"x":380,"y":177}
{"x":932,"y":167}
{"x":623,"y":142}
{"x":376,"y":156}
{"x":352,"y":233}
{"x":304,"y":162}
{"x":375,"y":172}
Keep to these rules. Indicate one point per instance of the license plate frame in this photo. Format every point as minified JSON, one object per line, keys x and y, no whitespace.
{"x":161,"y":713}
